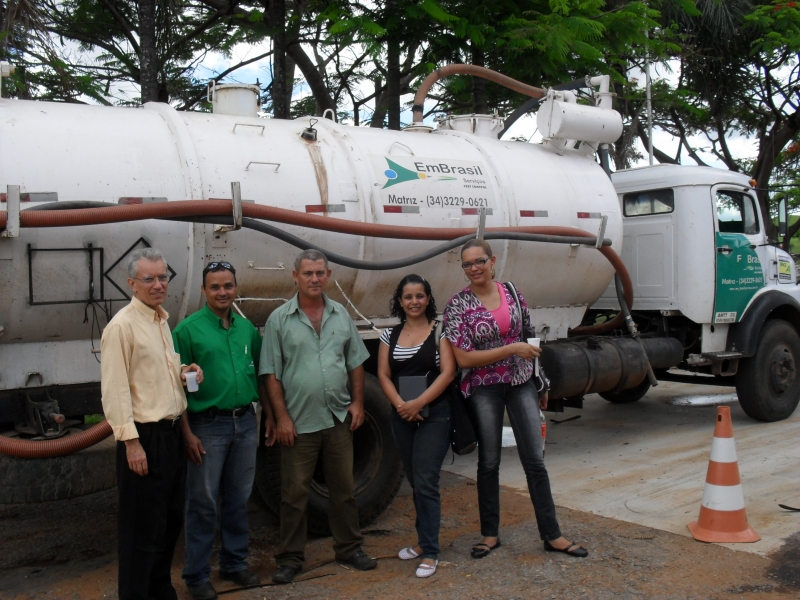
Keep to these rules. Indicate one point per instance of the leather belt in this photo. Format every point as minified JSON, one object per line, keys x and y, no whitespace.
{"x":235,"y":412}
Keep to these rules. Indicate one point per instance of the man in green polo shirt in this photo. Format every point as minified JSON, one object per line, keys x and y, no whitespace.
{"x":311,"y":351}
{"x":220,"y":432}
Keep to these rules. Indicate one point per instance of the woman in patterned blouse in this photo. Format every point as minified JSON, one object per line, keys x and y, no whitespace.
{"x":484,"y":327}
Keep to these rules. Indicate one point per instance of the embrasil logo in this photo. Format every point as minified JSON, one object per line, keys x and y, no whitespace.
{"x":426,"y":170}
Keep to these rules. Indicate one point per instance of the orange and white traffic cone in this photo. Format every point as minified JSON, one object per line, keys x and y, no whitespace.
{"x":722,"y":515}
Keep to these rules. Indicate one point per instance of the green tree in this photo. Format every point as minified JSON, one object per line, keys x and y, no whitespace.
{"x":98,"y":44}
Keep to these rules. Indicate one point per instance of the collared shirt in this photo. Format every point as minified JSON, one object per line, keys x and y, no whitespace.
{"x":313,"y":369}
{"x":227,"y":357}
{"x":140,"y":372}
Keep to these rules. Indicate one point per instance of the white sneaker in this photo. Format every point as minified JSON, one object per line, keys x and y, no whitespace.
{"x":426,"y":570}
{"x":407,"y":554}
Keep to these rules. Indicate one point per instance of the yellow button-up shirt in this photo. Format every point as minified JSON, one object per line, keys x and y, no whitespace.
{"x":141,"y":373}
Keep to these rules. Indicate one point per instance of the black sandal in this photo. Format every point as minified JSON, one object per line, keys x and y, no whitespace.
{"x":572,"y":550}
{"x":482,"y":550}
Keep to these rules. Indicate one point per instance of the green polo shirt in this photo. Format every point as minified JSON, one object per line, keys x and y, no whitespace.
{"x":313,"y":369}
{"x":227,"y":357}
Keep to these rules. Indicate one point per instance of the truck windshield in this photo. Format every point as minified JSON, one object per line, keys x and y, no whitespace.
{"x":736,"y":213}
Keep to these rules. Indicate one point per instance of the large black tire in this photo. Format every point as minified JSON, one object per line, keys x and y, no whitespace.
{"x":767,"y":383}
{"x":633,"y":394}
{"x":31,"y":480}
{"x":377,"y":469}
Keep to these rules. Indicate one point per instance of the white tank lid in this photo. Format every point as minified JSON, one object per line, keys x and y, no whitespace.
{"x":239,"y":99}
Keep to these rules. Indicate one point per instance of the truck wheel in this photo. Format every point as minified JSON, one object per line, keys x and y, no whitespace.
{"x":377,"y":470}
{"x":767,"y":383}
{"x":32,"y":480}
{"x":633,"y":394}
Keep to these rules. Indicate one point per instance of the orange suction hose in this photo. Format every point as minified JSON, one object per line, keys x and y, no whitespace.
{"x":219,"y":207}
{"x":58,"y":447}
{"x":427,"y":84}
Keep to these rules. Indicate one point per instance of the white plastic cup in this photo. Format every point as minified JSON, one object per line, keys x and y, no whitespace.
{"x":191,"y":381}
{"x":535,"y":342}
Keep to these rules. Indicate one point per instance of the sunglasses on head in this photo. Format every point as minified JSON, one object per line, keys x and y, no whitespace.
{"x":217,"y":265}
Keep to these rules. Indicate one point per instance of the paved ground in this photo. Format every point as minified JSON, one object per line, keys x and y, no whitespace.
{"x":610,"y":461}
{"x":67,"y":552}
{"x":646,"y":462}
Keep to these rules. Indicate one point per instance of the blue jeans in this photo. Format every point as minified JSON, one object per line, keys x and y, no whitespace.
{"x":422,"y":447}
{"x":227,"y":472}
{"x":487,"y":404}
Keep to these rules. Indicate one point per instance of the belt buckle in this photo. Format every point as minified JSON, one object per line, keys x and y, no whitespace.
{"x":175,"y":420}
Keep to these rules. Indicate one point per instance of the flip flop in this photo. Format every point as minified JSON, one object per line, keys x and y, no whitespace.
{"x":572,"y":550}
{"x":425,"y":570}
{"x":483,"y":550}
{"x":407,"y":554}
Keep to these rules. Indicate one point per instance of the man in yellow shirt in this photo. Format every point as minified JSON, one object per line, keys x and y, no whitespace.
{"x":143,"y":399}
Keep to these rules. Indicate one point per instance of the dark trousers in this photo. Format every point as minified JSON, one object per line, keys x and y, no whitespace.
{"x":150,"y":513}
{"x":335,"y":446}
{"x":487,"y":404}
{"x":422,"y":446}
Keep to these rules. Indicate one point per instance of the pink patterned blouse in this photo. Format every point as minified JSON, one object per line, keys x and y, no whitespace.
{"x":469,"y":325}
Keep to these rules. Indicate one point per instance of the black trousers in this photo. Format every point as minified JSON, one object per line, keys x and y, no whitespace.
{"x":150,"y":513}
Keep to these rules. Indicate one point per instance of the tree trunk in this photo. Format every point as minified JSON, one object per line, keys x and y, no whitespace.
{"x":479,"y":105}
{"x":379,"y":114}
{"x":290,"y":67}
{"x":280,"y":107}
{"x":148,"y":60}
{"x":393,"y":82}
{"x":770,"y":145}
{"x":313,"y":78}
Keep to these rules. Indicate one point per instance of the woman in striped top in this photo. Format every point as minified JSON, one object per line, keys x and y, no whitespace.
{"x":421,"y":425}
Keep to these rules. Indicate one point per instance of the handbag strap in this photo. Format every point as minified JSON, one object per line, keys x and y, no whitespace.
{"x":513,"y":291}
{"x":438,"y":331}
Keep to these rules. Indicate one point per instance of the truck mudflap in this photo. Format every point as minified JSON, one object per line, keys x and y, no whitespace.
{"x":743,"y":336}
{"x":601,"y":364}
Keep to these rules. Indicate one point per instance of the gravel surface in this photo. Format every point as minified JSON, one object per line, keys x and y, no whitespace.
{"x":67,"y":550}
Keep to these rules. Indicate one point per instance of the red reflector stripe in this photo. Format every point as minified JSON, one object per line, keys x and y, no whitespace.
{"x":474,"y":211}
{"x":391,"y":208}
{"x":533,"y":213}
{"x":325,"y":208}
{"x":589,"y":215}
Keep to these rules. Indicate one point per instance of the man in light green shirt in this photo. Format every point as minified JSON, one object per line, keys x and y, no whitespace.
{"x":311,"y":351}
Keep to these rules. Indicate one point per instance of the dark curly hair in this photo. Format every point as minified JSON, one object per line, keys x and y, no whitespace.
{"x":396,"y":309}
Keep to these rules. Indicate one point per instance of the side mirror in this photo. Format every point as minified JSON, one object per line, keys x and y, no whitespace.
{"x":783,"y":218}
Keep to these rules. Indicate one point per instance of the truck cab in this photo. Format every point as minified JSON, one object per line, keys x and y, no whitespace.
{"x":704,"y":271}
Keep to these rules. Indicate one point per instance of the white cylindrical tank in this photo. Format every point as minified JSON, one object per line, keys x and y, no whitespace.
{"x":571,"y":121}
{"x":239,"y":99}
{"x":439,"y":179}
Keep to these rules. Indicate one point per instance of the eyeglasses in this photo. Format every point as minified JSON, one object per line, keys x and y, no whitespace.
{"x":213,"y":266}
{"x":151,"y":280}
{"x":478,"y":263}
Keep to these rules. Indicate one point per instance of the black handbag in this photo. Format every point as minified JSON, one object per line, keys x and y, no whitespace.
{"x":462,"y":433}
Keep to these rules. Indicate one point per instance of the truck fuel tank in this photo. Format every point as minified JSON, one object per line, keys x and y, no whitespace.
{"x":596,"y":365}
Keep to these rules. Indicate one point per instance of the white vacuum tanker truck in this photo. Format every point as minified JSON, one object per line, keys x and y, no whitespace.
{"x":86,"y":185}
